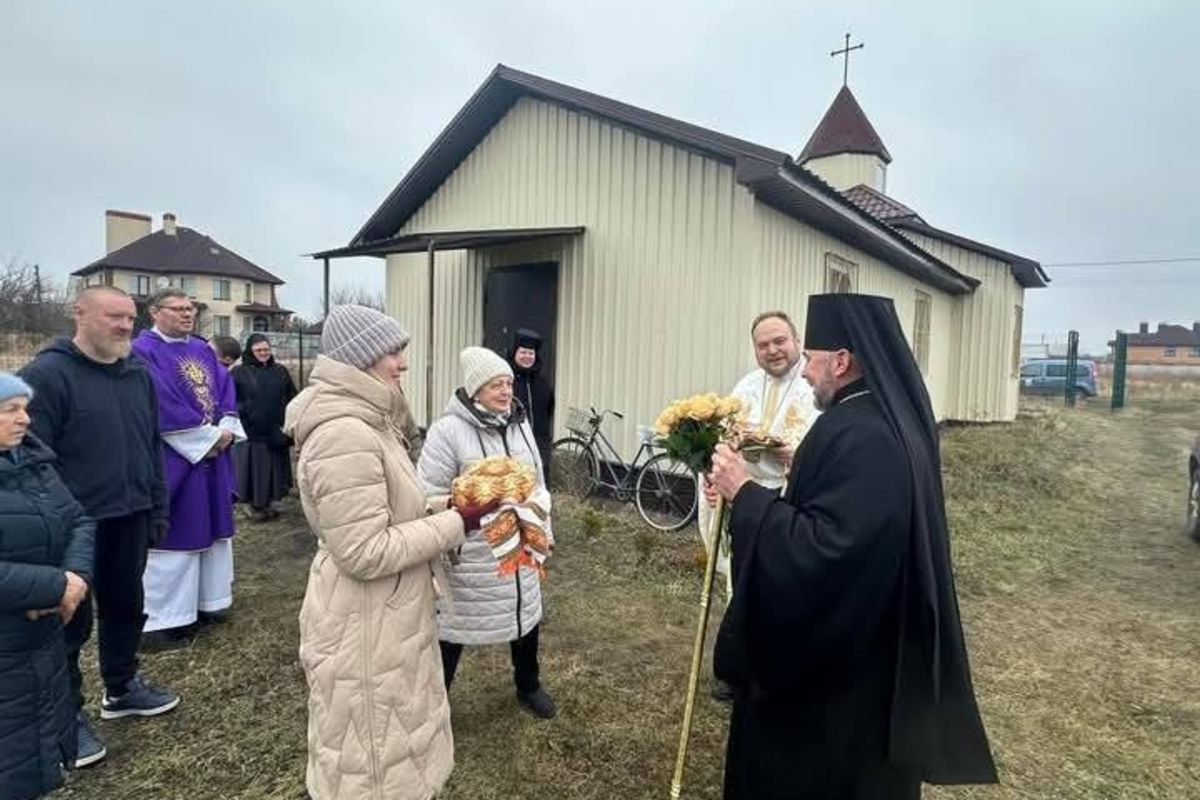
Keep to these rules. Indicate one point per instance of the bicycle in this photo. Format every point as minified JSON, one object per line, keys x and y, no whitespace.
{"x":663,"y":488}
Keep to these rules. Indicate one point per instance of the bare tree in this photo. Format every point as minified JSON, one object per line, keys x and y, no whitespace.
{"x":31,"y":303}
{"x":357,"y":294}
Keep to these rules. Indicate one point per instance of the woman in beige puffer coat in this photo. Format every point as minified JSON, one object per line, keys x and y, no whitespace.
{"x":378,"y":718}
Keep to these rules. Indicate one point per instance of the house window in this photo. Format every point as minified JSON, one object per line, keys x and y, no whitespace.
{"x":840,"y":275}
{"x":1018,"y":321}
{"x":1196,"y":352}
{"x":1169,"y":352}
{"x":249,"y":293}
{"x":188,"y":286}
{"x":220,"y":325}
{"x":261,"y":324}
{"x":142,"y":287}
{"x":921,"y":322}
{"x":220,"y":289}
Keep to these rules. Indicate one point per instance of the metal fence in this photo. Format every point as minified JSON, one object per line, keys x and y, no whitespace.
{"x":296,"y":351}
{"x":18,"y":349}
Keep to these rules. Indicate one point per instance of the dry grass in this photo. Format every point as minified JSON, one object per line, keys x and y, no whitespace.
{"x":1080,"y":594}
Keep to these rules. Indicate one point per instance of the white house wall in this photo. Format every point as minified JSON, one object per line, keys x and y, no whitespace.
{"x":983,"y":387}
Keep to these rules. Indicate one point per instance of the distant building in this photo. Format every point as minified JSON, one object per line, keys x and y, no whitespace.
{"x":1170,"y":345}
{"x":233,"y":296}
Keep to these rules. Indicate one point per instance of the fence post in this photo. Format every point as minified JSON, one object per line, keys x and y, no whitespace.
{"x":1120,"y":360}
{"x":300,"y":350}
{"x":1072,"y":365}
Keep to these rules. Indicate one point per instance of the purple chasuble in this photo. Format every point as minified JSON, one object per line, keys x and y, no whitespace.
{"x":193,"y":390}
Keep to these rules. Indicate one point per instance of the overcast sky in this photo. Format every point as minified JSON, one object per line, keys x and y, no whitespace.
{"x":1065,"y":132}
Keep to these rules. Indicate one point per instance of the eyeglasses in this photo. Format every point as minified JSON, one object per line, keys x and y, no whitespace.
{"x":178,"y":309}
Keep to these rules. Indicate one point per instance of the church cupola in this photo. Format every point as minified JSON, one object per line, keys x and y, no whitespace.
{"x":844,"y":150}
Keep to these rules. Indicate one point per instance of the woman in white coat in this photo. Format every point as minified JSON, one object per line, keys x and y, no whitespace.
{"x":482,"y":420}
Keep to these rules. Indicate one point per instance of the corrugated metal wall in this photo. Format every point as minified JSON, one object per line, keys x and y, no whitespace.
{"x":792,"y":266}
{"x":656,"y":297}
{"x":983,"y":387}
{"x":651,"y":303}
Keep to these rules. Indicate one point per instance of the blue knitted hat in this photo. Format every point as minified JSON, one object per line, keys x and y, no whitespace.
{"x":12,"y":386}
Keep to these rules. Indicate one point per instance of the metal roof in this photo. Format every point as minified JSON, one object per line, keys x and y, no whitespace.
{"x":1027,"y":272}
{"x":844,"y":129}
{"x":448,"y":240}
{"x":770,"y":174}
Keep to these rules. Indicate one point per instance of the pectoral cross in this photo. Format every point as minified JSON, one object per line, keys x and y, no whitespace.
{"x":845,"y":53}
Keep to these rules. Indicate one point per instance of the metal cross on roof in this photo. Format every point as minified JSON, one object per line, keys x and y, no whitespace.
{"x":845,"y":52}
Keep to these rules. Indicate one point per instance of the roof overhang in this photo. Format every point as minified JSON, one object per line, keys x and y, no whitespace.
{"x":1027,"y":272}
{"x":258,"y":308}
{"x":448,"y":240}
{"x":794,"y":193}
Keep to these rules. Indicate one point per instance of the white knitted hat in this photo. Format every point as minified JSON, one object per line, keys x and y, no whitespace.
{"x":480,"y":365}
{"x":360,"y":336}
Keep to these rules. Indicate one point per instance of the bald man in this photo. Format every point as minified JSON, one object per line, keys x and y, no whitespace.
{"x":94,"y":405}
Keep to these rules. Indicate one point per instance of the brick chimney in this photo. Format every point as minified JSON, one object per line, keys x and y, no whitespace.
{"x":1144,"y":327}
{"x":169,"y":224}
{"x":122,"y":228}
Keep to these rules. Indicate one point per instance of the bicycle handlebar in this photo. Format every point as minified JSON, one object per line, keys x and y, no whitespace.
{"x":599,"y":416}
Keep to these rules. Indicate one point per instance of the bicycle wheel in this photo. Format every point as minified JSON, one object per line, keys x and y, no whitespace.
{"x":666,"y":493}
{"x":573,"y":467}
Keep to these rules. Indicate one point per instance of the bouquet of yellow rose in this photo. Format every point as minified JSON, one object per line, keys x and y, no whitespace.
{"x":690,"y":429}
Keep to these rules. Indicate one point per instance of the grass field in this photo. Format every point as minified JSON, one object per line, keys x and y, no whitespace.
{"x":1080,"y":595}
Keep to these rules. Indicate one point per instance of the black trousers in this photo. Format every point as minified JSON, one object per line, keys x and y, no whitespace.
{"x":120,"y":560}
{"x":524,"y":652}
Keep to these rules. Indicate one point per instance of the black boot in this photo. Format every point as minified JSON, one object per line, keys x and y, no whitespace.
{"x":538,"y":702}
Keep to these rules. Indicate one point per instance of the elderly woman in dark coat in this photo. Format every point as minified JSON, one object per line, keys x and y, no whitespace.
{"x":264,"y":462}
{"x":45,"y":563}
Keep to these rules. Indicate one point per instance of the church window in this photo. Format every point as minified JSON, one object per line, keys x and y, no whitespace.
{"x":921,"y":325}
{"x":841,"y":275}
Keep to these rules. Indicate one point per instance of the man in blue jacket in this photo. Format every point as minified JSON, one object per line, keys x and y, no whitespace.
{"x":94,"y":405}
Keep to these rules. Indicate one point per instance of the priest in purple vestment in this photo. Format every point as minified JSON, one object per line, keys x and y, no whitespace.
{"x":189,"y":574}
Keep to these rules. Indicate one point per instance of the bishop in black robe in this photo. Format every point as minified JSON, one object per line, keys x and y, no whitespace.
{"x":843,"y":640}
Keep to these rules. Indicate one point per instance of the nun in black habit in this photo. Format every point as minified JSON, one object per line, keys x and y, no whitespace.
{"x":264,"y":461}
{"x":843,"y":641}
{"x":532,"y":389}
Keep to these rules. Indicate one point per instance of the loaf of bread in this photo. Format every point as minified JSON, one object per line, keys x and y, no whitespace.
{"x":492,"y":480}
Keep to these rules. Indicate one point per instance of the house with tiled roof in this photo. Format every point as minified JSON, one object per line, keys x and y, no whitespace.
{"x":641,"y":246}
{"x":233,"y":295}
{"x":1168,"y":346}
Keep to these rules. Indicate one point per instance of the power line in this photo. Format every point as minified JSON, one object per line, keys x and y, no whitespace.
{"x":1130,"y":262}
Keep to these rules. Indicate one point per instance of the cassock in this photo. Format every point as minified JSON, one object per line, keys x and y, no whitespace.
{"x":534,"y":393}
{"x":263,"y":462}
{"x":781,"y":407}
{"x":843,"y":640}
{"x":191,"y":569}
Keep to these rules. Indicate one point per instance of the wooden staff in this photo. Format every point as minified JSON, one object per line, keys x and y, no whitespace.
{"x":710,"y":572}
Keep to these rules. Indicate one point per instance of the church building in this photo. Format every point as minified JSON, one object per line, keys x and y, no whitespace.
{"x":642,"y":247}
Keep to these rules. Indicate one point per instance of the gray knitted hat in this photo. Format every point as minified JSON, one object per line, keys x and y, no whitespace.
{"x":360,"y":336}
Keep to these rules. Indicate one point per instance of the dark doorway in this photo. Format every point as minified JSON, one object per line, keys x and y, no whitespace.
{"x":522,"y":296}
